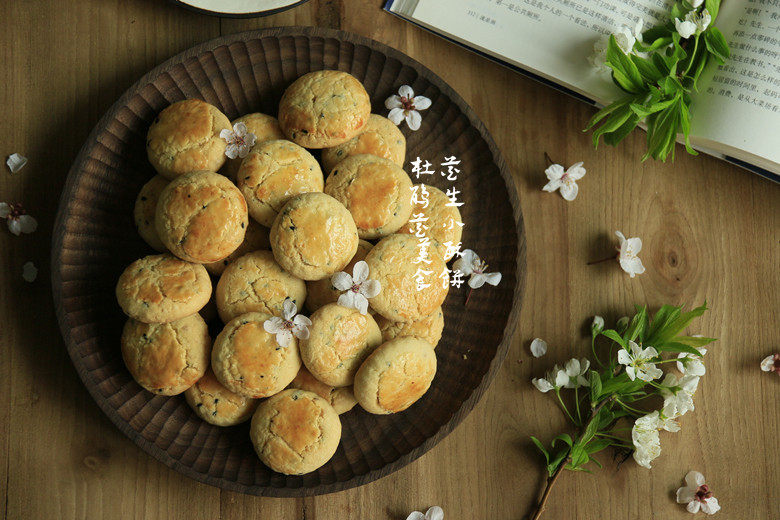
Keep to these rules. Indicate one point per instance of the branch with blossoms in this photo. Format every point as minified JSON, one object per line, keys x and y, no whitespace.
{"x":658,"y":69}
{"x":615,"y":403}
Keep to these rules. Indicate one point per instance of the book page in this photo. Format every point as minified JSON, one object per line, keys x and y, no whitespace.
{"x":739,"y":102}
{"x":552,"y":38}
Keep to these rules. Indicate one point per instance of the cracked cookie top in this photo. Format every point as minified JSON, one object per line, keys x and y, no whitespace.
{"x":217,"y":405}
{"x":201,"y":217}
{"x":166,"y":358}
{"x":295,"y":432}
{"x":265,"y":128}
{"x":184,"y":137}
{"x":395,"y":375}
{"x":314,"y":236}
{"x":162,"y":288}
{"x":381,"y":138}
{"x":341,"y":399}
{"x":428,"y":328}
{"x":323,"y":109}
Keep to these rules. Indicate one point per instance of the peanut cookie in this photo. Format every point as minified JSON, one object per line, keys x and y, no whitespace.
{"x":414,"y":281}
{"x":248,"y":360}
{"x":323,"y":109}
{"x":432,"y":217}
{"x":340,"y":338}
{"x":341,"y":399}
{"x":322,"y":292}
{"x":143,"y":213}
{"x":185,"y":137}
{"x":381,"y":138}
{"x":201,"y":217}
{"x":313,"y":236}
{"x":166,"y":358}
{"x":256,"y":238}
{"x":272,"y":173}
{"x":295,"y":432}
{"x":265,"y":128}
{"x":217,"y":405}
{"x":376,"y":192}
{"x":395,"y":375}
{"x":428,"y":328}
{"x":256,"y":283}
{"x":162,"y":288}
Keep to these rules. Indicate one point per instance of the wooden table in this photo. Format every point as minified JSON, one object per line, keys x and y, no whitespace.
{"x":711,"y":231}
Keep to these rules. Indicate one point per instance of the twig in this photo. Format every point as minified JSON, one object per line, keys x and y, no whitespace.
{"x":554,"y":478}
{"x":602,"y":260}
{"x":549,"y":160}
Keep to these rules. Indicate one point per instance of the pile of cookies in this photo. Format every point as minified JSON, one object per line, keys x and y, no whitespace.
{"x":268,"y":236}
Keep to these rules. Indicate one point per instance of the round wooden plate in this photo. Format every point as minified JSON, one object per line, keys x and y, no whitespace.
{"x":95,"y":238}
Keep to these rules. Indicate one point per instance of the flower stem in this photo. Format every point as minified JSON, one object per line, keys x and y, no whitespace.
{"x":549,"y":160}
{"x":693,"y":55}
{"x":468,"y":296}
{"x":558,"y":394}
{"x":592,"y":262}
{"x":554,"y":478}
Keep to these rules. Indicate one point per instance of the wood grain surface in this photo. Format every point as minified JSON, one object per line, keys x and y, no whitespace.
{"x":711,"y":231}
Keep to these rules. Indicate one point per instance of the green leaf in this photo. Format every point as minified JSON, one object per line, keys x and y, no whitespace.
{"x":579,"y":457}
{"x":660,"y":63}
{"x":604,"y":112}
{"x":565,"y":437}
{"x":614,"y":122}
{"x":613,"y":138}
{"x":637,"y":325}
{"x":685,"y":126}
{"x":597,"y":445}
{"x":673,"y":346}
{"x":712,"y":6}
{"x":541,"y":448}
{"x":646,"y":68}
{"x":614,"y":336}
{"x":675,"y":325}
{"x":645,"y":110}
{"x":624,"y":72}
{"x":661,"y":132}
{"x":716,"y":44}
{"x":556,"y":461}
{"x":694,"y":341}
{"x":657,"y":43}
{"x":663,"y":317}
{"x":595,"y":386}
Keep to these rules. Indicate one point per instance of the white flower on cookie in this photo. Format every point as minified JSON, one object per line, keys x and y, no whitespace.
{"x":433,"y":513}
{"x":406,"y":106}
{"x":239,"y":141}
{"x":291,"y":324}
{"x":469,"y":264}
{"x":358,"y":287}
{"x":17,"y":218}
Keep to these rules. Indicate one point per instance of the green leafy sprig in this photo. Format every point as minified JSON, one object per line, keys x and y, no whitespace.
{"x":658,"y":78}
{"x":603,"y":415}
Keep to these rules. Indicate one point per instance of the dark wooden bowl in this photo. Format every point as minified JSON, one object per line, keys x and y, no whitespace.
{"x":95,"y":238}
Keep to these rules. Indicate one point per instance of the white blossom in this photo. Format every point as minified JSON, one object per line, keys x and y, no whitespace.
{"x":691,"y":364}
{"x":696,"y":3}
{"x":406,"y":106}
{"x":566,"y":181}
{"x":553,"y":380}
{"x":694,"y":23}
{"x":625,"y":39}
{"x":29,"y":272}
{"x":629,"y":249}
{"x":292,"y":324}
{"x":469,"y":264}
{"x":646,"y":440}
{"x":697,"y":495}
{"x":575,"y":371}
{"x":639,"y":363}
{"x":433,"y":513}
{"x":16,"y":162}
{"x":17,"y":218}
{"x":538,"y":347}
{"x":597,"y":325}
{"x":358,"y":287}
{"x":239,"y":141}
{"x":771,"y":364}
{"x":678,"y":394}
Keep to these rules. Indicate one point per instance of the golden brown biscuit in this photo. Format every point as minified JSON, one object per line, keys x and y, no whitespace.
{"x":143,"y":213}
{"x":322,"y":292}
{"x":395,"y":375}
{"x":265,"y":128}
{"x":340,"y":338}
{"x":185,"y":137}
{"x":201,"y":217}
{"x":256,"y":238}
{"x":274,"y":172}
{"x":166,"y":358}
{"x":162,"y":288}
{"x":376,"y":192}
{"x":256,"y":283}
{"x":436,"y":220}
{"x":341,"y":399}
{"x":413,"y":284}
{"x":295,"y":432}
{"x":313,"y":236}
{"x":381,"y":138}
{"x":249,"y":361}
{"x":323,"y":109}
{"x":428,"y":328}
{"x":217,"y":405}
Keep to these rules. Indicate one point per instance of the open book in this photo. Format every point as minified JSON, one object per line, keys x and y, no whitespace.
{"x":735,"y":113}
